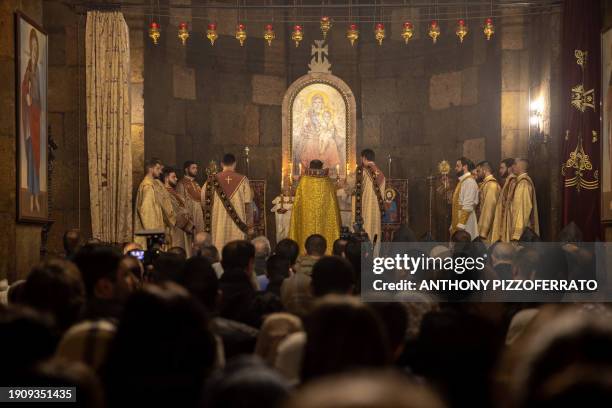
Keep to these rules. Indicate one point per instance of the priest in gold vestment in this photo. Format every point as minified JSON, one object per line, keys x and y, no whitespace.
{"x":148,"y":211}
{"x":487,"y":200}
{"x":501,"y":222}
{"x":226,"y":201}
{"x":315,"y":207}
{"x":465,"y":200}
{"x":524,"y":206}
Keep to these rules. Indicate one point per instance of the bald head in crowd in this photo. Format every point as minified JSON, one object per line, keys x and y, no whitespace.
{"x":503,"y":252}
{"x":201,"y":240}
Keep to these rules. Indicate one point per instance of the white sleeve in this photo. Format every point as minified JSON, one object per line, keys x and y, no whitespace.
{"x":469,"y":195}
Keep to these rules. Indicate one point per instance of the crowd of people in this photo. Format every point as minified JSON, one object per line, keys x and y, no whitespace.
{"x":256,"y":326}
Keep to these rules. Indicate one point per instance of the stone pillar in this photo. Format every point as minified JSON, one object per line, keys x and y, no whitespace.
{"x":138,"y":34}
{"x":19,"y":243}
{"x":514,"y":87}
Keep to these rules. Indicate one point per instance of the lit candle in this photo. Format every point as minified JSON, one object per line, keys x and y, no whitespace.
{"x":282,"y":179}
{"x":290,"y":174}
{"x":300,"y":169}
{"x":348,"y":166}
{"x":337,"y":170}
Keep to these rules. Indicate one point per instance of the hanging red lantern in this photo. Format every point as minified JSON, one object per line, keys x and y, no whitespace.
{"x":352,"y":34}
{"x":211,"y":33}
{"x":241,"y":34}
{"x":269,"y":34}
{"x":297,"y":35}
{"x":407,"y":31}
{"x":183,"y":33}
{"x":325,"y":26}
{"x":462,"y":29}
{"x":489,"y":29}
{"x":434,"y":31}
{"x":154,"y":33}
{"x":379,"y":33}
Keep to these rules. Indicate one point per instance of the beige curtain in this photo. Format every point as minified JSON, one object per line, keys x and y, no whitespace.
{"x":107,"y":49}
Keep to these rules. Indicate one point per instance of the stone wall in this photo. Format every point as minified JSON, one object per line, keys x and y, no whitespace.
{"x":67,"y":118}
{"x":421,"y":103}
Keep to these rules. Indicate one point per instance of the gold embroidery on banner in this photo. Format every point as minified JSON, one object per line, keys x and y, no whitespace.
{"x":594,"y":139}
{"x":582,"y":99}
{"x":580,"y":162}
{"x":581,"y":57}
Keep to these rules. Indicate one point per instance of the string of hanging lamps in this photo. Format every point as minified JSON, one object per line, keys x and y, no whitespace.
{"x":325,"y":24}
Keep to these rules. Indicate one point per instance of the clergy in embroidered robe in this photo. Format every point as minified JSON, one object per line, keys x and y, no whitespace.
{"x":168,"y":214}
{"x":181,"y":232}
{"x":465,"y":200}
{"x":487,"y":201}
{"x":315,"y":208}
{"x":368,"y":192}
{"x":226,"y":198}
{"x":524,"y":206}
{"x":147,"y":211}
{"x":191,"y":193}
{"x":502,"y":222}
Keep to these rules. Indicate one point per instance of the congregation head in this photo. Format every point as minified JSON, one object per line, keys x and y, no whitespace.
{"x":339,"y":247}
{"x":101,"y":270}
{"x":336,"y":317}
{"x":288,"y":249}
{"x":72,"y":240}
{"x":238,"y":255}
{"x":332,"y":274}
{"x":262,"y":247}
{"x":315,"y":245}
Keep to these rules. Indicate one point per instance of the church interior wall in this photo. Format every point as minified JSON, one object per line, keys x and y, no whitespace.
{"x":422,"y":103}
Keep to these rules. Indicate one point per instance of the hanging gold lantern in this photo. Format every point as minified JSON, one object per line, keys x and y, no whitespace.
{"x":325,"y":25}
{"x":407,"y":31}
{"x":154,"y":32}
{"x":241,"y":34}
{"x":489,"y":29}
{"x":183,"y":33}
{"x":352,"y":34}
{"x":297,"y":35}
{"x":462,"y":29}
{"x":269,"y":34}
{"x":434,"y":30}
{"x":211,"y":33}
{"x":379,"y":33}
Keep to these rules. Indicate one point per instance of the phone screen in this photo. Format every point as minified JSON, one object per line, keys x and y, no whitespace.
{"x":137,"y":253}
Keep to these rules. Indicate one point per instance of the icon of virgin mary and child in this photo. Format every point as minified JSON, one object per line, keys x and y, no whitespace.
{"x":317,"y":137}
